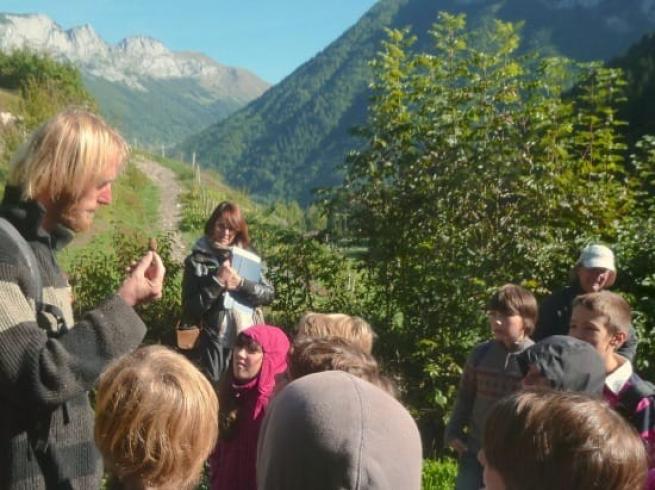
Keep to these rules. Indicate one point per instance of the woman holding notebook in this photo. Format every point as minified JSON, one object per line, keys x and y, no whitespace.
{"x":215,"y":295}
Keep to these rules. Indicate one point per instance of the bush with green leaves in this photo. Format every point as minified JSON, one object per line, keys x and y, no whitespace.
{"x":98,"y":272}
{"x":308,"y":274}
{"x":482,"y":167}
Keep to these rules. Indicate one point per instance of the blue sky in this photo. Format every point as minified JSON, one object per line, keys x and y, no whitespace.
{"x":268,"y":37}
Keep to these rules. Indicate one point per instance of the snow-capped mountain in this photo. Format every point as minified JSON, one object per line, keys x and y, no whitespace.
{"x":135,"y":67}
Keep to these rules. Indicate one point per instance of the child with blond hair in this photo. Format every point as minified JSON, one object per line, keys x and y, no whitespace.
{"x":156,"y":420}
{"x":352,"y":328}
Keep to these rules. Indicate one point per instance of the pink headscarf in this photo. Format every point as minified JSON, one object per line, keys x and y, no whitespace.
{"x":275,"y":346}
{"x":233,"y":461}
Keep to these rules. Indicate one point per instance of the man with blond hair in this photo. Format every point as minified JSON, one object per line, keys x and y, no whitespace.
{"x":49,"y":362}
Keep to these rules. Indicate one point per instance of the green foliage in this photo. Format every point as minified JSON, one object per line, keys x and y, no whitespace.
{"x":308,"y":274}
{"x":477,"y":171}
{"x":46,"y":85}
{"x":439,"y":474}
{"x":98,"y":272}
{"x":42,"y":87}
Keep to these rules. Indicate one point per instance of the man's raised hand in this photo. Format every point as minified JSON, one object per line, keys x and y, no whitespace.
{"x":145,"y":280}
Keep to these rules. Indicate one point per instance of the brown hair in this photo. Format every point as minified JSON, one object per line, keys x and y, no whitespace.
{"x":543,"y":439}
{"x":66,"y":155}
{"x":511,"y":299}
{"x":615,"y":309}
{"x":231,"y":214}
{"x":316,"y":354}
{"x":156,"y":419}
{"x":352,"y":328}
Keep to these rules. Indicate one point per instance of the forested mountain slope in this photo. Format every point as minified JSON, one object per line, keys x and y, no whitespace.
{"x":638,"y":65}
{"x":292,"y":138}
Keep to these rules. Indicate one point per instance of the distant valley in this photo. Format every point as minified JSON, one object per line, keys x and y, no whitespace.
{"x":155,"y":96}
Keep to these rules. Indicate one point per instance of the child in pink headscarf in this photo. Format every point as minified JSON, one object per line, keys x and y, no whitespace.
{"x":259,"y":356}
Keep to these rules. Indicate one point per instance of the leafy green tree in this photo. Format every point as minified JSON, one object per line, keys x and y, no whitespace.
{"x":480,"y":167}
{"x":45,"y":86}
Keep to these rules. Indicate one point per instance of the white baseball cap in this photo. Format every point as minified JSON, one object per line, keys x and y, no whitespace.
{"x":597,"y":256}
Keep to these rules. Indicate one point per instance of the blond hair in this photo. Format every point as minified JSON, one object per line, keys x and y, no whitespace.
{"x":615,"y":309}
{"x":66,"y":155}
{"x":544,"y":439}
{"x":352,"y":328}
{"x":156,"y":419}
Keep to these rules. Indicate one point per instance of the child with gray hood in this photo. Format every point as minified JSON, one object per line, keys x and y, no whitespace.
{"x":333,"y":431}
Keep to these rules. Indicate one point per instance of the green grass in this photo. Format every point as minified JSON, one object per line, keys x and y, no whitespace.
{"x":439,"y":474}
{"x":9,"y":100}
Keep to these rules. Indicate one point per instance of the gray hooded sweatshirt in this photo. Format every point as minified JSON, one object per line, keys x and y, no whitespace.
{"x":333,"y":431}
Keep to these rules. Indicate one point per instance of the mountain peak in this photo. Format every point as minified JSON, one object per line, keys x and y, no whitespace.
{"x":140,"y":45}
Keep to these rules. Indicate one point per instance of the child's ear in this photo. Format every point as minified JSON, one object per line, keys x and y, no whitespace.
{"x":618,"y":339}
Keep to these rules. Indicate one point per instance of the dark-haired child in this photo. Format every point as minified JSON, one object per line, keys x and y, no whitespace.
{"x":491,"y":372}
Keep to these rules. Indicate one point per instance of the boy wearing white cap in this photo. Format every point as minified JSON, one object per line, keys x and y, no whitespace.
{"x":595,"y":270}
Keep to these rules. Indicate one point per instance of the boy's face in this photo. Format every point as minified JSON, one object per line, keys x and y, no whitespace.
{"x":534,"y":377}
{"x":591,"y":327}
{"x":507,"y":329}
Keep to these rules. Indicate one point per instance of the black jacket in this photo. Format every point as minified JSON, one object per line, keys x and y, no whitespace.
{"x":202,"y":304}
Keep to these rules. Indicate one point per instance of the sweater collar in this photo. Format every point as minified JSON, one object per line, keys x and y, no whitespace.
{"x":27,"y":217}
{"x":616,"y":380}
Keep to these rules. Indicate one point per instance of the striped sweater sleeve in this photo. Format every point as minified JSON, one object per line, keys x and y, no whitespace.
{"x":41,"y":372}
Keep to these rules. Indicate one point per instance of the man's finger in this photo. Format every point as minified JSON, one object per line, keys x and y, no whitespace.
{"x":143,"y":264}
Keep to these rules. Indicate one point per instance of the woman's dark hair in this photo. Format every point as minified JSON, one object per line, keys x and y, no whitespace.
{"x":231,"y":214}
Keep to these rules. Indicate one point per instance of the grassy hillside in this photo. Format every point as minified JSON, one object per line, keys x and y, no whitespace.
{"x":166,"y":113}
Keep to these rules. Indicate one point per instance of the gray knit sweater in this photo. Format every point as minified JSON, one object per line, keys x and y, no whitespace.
{"x":44,"y":378}
{"x":490,"y":373}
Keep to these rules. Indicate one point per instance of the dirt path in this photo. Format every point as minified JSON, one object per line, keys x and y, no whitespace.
{"x":169,"y":208}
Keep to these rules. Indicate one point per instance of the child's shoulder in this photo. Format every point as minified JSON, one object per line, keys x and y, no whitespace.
{"x":637,"y":394}
{"x":481,"y":350}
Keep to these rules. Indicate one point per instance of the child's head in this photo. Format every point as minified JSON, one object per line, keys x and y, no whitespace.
{"x":259,"y":360}
{"x":315,"y":354}
{"x":156,"y":419}
{"x":545,"y":439}
{"x":352,"y":328}
{"x":512,"y":313}
{"x":332,"y":430}
{"x":563,"y":363}
{"x":602,"y":319}
{"x":260,"y":350}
